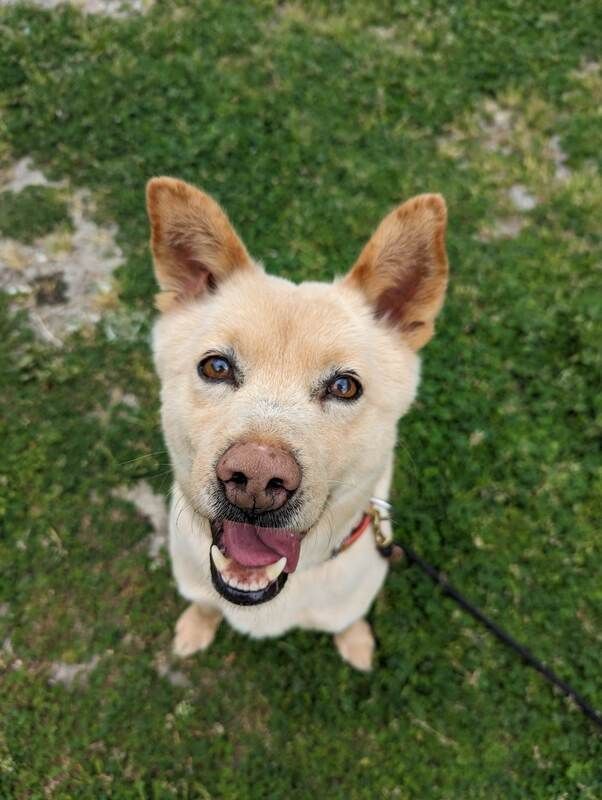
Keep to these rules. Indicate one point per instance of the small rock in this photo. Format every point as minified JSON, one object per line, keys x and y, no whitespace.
{"x":521,"y":198}
{"x":476,"y":437}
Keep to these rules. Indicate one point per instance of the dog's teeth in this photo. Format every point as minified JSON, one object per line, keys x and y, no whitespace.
{"x":222,"y":564}
{"x":219,"y":559}
{"x":273,"y":570}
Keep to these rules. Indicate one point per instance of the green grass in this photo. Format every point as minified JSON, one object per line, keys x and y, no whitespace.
{"x":308,"y":121}
{"x":32,"y":212}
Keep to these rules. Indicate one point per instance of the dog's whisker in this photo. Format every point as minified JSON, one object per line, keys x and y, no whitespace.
{"x":180,"y":506}
{"x":184,"y":505}
{"x":338,"y":482}
{"x":331,"y":528}
{"x":145,"y":455}
{"x":150,"y":474}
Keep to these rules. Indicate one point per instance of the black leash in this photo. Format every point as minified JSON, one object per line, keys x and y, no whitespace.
{"x":396,"y":551}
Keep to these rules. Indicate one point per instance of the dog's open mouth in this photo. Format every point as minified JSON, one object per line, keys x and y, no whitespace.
{"x":250,"y":564}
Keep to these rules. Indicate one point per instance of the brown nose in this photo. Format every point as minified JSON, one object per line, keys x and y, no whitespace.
{"x":257,"y":476}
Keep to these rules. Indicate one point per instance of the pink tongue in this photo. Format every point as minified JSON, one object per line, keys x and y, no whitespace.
{"x":252,"y":546}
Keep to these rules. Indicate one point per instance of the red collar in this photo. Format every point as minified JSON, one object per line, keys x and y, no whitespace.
{"x":355,"y":534}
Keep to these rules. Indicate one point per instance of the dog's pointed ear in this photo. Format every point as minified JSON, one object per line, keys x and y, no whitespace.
{"x":193,"y":243}
{"x":403,"y":269}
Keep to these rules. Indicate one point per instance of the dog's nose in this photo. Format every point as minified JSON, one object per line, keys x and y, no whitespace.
{"x":257,"y":476}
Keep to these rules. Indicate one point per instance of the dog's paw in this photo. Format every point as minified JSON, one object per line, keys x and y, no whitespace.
{"x":356,"y":645}
{"x":195,"y":630}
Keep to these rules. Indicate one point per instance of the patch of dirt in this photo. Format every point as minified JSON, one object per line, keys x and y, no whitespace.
{"x":521,"y":198}
{"x":173,"y":676}
{"x":8,"y":658}
{"x":153,"y":507}
{"x":108,"y":8}
{"x":384,"y":33}
{"x":21,"y":174}
{"x":117,"y":397}
{"x":64,"y":279}
{"x":509,"y":142}
{"x":502,"y":228}
{"x":559,"y":158}
{"x":72,"y":675}
{"x":587,"y":70}
{"x":497,"y":126}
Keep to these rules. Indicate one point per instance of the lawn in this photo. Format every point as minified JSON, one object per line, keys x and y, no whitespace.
{"x":308,"y":121}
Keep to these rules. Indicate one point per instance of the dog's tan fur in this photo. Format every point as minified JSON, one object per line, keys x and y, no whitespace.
{"x":213,"y":296}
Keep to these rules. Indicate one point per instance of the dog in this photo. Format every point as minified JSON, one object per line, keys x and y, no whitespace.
{"x":279,"y":407}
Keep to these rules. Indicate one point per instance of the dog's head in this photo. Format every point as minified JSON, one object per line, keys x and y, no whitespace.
{"x":280,"y":402}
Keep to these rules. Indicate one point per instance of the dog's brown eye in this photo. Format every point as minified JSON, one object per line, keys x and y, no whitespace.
{"x":345,"y":387}
{"x":216,"y":368}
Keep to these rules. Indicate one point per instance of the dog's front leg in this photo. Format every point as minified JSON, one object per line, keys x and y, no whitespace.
{"x":356,"y":645}
{"x":195,"y":629}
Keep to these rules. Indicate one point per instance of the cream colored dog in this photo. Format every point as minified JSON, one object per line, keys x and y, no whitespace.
{"x":279,"y":407}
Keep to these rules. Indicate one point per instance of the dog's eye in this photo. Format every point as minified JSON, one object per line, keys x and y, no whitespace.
{"x":216,"y":368}
{"x":344,"y":387}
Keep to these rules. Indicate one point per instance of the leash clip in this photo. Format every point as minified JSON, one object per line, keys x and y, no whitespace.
{"x":380,"y":512}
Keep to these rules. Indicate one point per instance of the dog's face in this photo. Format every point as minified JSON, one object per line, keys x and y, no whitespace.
{"x":280,"y":402}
